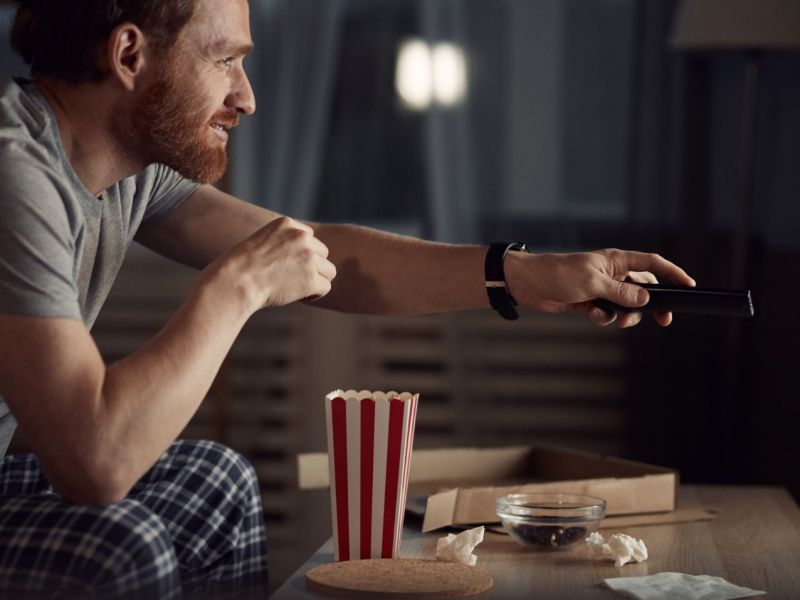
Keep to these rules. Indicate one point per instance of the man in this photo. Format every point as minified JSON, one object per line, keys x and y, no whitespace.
{"x":133,"y":100}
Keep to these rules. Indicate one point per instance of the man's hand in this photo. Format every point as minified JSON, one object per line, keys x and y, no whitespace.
{"x":279,"y":264}
{"x":560,"y":282}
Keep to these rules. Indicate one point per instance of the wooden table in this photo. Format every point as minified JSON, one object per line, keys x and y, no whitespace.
{"x":753,"y":542}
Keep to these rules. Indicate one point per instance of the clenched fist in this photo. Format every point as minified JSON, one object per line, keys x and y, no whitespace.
{"x":279,"y":264}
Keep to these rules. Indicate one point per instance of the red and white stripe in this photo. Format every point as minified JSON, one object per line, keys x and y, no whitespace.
{"x":370,"y":439}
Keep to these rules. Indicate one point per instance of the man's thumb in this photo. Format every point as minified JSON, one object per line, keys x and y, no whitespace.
{"x":627,"y":294}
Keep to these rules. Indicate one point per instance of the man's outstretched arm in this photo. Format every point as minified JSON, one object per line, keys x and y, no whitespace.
{"x":383,"y":273}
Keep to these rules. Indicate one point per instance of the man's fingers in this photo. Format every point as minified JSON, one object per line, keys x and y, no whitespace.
{"x":319,"y":247}
{"x":625,"y":261}
{"x":326,"y":269}
{"x":321,"y":289}
{"x":323,"y":286}
{"x":630,"y":320}
{"x":663,"y":318}
{"x":641,"y":277}
{"x":601,"y":317}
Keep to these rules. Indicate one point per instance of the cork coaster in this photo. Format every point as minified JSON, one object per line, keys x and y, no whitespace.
{"x":398,"y":578}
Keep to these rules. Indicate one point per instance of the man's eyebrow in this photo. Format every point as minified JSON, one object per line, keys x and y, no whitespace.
{"x":232,"y":49}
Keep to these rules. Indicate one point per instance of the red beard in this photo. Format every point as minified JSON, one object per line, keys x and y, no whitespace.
{"x":165,"y":129}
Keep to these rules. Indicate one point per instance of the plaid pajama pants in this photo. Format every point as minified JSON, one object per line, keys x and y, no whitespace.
{"x":192,"y":526}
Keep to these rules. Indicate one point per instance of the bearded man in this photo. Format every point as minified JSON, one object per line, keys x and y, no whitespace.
{"x":117,"y":138}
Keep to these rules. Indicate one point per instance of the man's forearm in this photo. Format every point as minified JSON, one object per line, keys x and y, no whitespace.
{"x":148,"y":397}
{"x":384,"y":273}
{"x":378,"y":272}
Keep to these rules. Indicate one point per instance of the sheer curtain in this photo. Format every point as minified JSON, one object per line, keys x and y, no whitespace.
{"x":447,"y":142}
{"x":466,"y":146}
{"x":277,"y":155}
{"x":541,"y":137}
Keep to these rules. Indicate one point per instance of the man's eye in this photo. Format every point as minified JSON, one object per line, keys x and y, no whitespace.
{"x":227,"y":61}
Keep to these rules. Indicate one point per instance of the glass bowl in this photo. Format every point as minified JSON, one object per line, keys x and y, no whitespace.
{"x":550,"y":521}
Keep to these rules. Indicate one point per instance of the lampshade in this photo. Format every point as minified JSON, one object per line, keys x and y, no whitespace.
{"x":737,"y":24}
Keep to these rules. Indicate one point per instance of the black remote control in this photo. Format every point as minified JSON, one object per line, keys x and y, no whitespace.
{"x":684,"y":299}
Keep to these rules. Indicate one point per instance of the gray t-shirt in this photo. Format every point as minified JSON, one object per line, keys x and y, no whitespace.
{"x":61,"y":247}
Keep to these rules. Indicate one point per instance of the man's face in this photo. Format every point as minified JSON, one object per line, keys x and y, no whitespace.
{"x":183,"y":118}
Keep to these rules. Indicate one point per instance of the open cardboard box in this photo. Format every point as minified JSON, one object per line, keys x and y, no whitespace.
{"x":463,"y":483}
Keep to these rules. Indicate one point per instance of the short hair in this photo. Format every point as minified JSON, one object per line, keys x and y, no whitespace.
{"x":62,"y":38}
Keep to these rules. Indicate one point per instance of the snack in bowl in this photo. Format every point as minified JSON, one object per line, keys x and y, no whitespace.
{"x":550,"y":521}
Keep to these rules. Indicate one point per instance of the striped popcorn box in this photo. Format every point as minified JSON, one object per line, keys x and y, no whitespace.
{"x":370,"y":435}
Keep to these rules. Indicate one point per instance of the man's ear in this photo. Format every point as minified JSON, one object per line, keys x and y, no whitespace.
{"x":125,"y":54}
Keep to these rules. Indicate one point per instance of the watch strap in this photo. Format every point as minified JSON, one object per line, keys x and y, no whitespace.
{"x":496,"y":288}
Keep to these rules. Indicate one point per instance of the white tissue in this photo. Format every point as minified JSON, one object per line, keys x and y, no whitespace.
{"x":621,"y":548}
{"x":679,"y":586}
{"x":458,"y":548}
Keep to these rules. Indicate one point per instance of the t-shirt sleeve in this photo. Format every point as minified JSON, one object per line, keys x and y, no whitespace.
{"x":36,"y":246}
{"x":168,"y":191}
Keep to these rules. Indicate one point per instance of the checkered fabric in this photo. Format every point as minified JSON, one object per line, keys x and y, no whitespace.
{"x":192,"y":526}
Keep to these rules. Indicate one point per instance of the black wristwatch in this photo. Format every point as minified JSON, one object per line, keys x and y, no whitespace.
{"x":496,"y":287}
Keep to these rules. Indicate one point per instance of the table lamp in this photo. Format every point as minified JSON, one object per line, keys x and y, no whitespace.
{"x":751,"y":27}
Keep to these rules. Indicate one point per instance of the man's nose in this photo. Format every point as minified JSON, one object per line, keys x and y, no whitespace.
{"x":241,"y":97}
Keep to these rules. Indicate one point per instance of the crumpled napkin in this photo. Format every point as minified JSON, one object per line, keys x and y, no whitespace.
{"x":458,"y":548}
{"x":679,"y":586}
{"x":621,"y":548}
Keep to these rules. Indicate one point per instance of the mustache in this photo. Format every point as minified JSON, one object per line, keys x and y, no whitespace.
{"x":226,"y":120}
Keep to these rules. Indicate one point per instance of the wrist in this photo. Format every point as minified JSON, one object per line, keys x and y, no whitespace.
{"x":514,"y":265}
{"x":497,"y":287}
{"x":227,"y":291}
